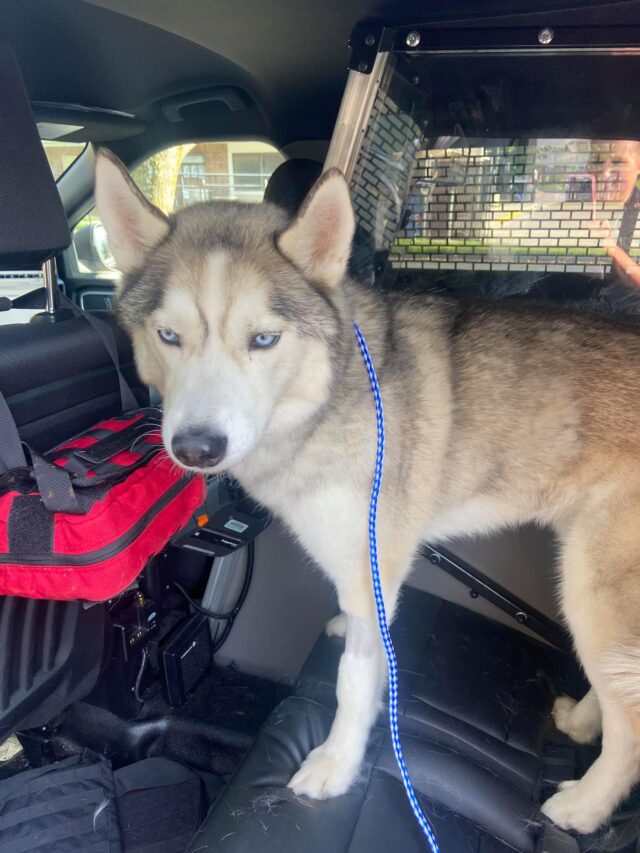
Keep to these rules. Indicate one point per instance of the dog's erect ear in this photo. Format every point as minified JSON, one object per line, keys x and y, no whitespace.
{"x":318,"y":241}
{"x":133,"y":225}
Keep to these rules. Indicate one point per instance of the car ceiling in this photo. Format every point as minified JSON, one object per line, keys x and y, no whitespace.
{"x":290,"y":56}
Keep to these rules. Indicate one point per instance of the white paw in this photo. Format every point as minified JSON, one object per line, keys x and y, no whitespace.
{"x":337,"y":627}
{"x":580,"y":731}
{"x":323,"y":774}
{"x":571,"y":809}
{"x":568,"y":783}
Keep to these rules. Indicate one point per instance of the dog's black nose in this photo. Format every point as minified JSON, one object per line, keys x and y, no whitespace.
{"x":199,"y":449}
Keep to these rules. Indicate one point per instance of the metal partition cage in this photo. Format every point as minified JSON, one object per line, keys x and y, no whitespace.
{"x":496,"y":162}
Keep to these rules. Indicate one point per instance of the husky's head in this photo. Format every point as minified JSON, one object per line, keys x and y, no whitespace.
{"x":234,"y":310}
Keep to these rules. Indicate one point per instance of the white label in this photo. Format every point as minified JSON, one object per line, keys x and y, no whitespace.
{"x":236,"y":526}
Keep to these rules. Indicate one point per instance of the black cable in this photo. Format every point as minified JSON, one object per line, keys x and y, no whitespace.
{"x":241,"y":598}
{"x":223,"y":637}
{"x":138,"y":682}
{"x":210,"y":613}
{"x":215,"y":636}
{"x":230,"y":615}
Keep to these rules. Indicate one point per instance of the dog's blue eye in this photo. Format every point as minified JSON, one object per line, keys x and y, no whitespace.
{"x":168,"y":336}
{"x":264,"y":340}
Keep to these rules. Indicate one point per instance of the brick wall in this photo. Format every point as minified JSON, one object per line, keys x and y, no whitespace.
{"x":526,"y":206}
{"x":216,"y":162}
{"x":489,"y":206}
{"x":382,"y":173}
{"x":213,"y":184}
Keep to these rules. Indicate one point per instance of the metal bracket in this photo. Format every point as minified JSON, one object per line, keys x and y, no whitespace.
{"x":480,"y":585}
{"x":521,"y":41}
{"x":365,"y":43}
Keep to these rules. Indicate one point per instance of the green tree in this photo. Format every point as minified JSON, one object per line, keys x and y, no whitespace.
{"x":157,"y":177}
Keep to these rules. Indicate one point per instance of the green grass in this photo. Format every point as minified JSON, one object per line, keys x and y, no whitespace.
{"x":456,"y":246}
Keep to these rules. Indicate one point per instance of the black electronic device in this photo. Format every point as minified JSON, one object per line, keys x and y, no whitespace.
{"x":186,"y":656}
{"x":229,"y":520}
{"x":135,"y":621}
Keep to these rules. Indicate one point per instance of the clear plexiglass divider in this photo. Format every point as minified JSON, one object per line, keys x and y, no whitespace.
{"x":457,"y":190}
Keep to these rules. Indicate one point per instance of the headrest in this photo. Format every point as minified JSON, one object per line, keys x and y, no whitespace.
{"x":33,"y":225}
{"x":290,"y":183}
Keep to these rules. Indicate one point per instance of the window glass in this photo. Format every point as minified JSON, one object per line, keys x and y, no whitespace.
{"x":179,"y":176}
{"x":61,"y":155}
{"x":542,"y":205}
{"x":251,"y":171}
{"x":14,"y":284}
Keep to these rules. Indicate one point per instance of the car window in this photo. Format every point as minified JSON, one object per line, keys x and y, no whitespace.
{"x":179,"y":176}
{"x":61,"y":155}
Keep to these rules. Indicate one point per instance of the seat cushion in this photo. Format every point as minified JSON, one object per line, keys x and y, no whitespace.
{"x":258,"y":812}
{"x":470,"y":684}
{"x":483,"y":753}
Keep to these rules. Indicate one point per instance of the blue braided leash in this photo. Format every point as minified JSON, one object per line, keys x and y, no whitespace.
{"x":392,"y":663}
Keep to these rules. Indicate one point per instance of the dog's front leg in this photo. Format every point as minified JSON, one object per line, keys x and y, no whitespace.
{"x":330,"y":769}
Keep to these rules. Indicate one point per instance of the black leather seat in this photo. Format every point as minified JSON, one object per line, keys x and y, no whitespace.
{"x":290,"y":183}
{"x":478,"y":739}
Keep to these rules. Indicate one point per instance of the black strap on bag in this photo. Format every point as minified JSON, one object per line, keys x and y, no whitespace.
{"x":54,"y":483}
{"x":64,"y":489}
{"x":55,"y":486}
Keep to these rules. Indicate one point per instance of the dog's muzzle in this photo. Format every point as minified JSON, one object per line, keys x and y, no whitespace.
{"x":197,"y":449}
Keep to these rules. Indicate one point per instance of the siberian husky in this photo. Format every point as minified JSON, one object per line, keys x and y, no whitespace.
{"x":495,"y":414}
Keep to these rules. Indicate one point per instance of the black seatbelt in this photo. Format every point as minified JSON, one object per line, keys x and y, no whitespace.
{"x":11,"y":449}
{"x":106,"y":335}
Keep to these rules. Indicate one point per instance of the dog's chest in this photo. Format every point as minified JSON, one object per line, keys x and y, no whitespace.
{"x":326,"y":511}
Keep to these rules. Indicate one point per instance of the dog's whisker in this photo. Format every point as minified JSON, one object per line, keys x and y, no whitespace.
{"x":149,"y":434}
